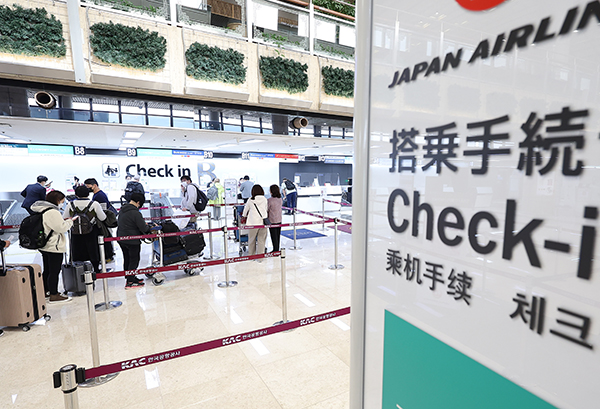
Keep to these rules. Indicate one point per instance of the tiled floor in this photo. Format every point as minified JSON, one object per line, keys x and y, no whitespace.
{"x":305,"y":368}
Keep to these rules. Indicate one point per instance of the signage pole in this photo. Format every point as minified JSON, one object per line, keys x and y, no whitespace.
{"x":226,"y":283}
{"x":106,"y":305}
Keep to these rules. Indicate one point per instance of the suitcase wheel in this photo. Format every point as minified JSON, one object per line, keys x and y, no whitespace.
{"x":149,"y":275}
{"x":47,"y":317}
{"x":25,"y":328}
{"x":193,"y":271}
{"x":158,"y":281}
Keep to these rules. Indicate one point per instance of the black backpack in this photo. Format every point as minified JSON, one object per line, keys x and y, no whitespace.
{"x":31,"y":231}
{"x":169,"y":227}
{"x":131,"y":188}
{"x":289,"y":185}
{"x":201,"y":199}
{"x":83,"y":224}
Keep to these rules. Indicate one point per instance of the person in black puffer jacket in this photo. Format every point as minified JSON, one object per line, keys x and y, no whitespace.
{"x":131,"y":223}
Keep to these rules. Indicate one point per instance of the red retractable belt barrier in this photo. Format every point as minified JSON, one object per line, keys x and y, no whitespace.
{"x":206,"y":346}
{"x":340,"y":203}
{"x":175,"y":267}
{"x":10,"y":226}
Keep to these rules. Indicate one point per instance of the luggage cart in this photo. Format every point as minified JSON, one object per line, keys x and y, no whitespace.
{"x":170,"y":254}
{"x":241,"y":236}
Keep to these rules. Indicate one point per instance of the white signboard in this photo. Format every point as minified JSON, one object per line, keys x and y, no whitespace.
{"x":482,"y":288}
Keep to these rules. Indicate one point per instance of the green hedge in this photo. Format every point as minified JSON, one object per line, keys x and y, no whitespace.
{"x":31,"y":32}
{"x":283,"y":74}
{"x":215,"y":64}
{"x":128,"y":46}
{"x":338,"y":81}
{"x":335,"y":6}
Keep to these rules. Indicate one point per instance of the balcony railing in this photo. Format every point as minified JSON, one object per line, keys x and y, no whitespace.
{"x":292,"y":24}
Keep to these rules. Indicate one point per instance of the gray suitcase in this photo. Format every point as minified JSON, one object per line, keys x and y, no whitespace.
{"x":73,"y":276}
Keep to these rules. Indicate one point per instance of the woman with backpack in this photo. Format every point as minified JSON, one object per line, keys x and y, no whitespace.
{"x":85,"y":231}
{"x":256,"y":210}
{"x":216,"y":197}
{"x":56,"y":246}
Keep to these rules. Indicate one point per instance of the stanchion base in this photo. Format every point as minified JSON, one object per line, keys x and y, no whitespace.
{"x":225,"y":284}
{"x":111,"y":306}
{"x":336,"y":267}
{"x":99,"y":380}
{"x":295,"y":248}
{"x":210,"y":258}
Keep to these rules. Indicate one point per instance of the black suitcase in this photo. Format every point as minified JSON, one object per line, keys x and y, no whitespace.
{"x":193,"y":244}
{"x":174,"y":255}
{"x":73,"y":276}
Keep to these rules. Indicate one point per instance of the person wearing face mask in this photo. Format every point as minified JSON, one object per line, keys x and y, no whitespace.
{"x":100,"y":197}
{"x":190,"y":196}
{"x":131,"y":223}
{"x":34,"y":192}
{"x":53,"y":252}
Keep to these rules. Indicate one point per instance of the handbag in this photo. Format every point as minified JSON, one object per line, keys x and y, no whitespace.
{"x":266,"y":220}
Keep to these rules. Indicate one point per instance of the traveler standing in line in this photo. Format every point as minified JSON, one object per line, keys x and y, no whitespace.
{"x":274,"y":214}
{"x":100,"y":197}
{"x":246,"y":188}
{"x":131,"y":223}
{"x":133,"y":186}
{"x":189,"y":199}
{"x":85,"y":246}
{"x":216,"y":194}
{"x":256,"y":210}
{"x":291,"y":194}
{"x":53,"y":252}
{"x":34,"y":192}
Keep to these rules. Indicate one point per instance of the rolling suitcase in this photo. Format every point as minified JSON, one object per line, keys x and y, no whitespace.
{"x":73,"y":276}
{"x":22,"y":298}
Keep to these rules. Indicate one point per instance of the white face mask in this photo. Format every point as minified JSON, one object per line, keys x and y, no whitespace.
{"x":183,"y":184}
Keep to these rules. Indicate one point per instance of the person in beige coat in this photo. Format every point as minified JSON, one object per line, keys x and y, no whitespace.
{"x":53,"y":252}
{"x":256,"y":210}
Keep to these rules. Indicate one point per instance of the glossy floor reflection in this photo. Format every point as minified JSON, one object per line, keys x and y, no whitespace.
{"x":305,"y":368}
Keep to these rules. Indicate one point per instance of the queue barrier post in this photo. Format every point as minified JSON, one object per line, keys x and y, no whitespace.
{"x":211,"y":257}
{"x":107,"y":304}
{"x":283,"y":291}
{"x":89,"y":291}
{"x":159,"y":278}
{"x":295,"y":246}
{"x":67,"y":378}
{"x":323,"y":211}
{"x":226,"y":283}
{"x":335,"y":266}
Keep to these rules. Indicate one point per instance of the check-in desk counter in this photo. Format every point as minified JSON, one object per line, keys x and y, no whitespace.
{"x":309,"y":198}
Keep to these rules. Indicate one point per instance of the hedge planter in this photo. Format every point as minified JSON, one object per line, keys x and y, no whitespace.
{"x":283,"y":74}
{"x":128,"y":46}
{"x":215,"y":64}
{"x":31,"y":32}
{"x":338,"y":82}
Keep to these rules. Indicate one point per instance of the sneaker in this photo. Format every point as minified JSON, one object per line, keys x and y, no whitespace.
{"x":58,"y":298}
{"x":134,"y":284}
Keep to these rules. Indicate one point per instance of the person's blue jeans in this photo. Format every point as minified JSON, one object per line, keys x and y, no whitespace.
{"x":292,"y":199}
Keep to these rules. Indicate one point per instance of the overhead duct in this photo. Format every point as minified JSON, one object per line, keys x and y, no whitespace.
{"x":45,"y":99}
{"x":299,"y":122}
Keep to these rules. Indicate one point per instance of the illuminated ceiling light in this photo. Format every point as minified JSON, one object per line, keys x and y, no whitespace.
{"x":17,"y":141}
{"x":133,"y":135}
{"x":129,"y":141}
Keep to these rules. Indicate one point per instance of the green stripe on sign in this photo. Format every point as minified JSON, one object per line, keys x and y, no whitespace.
{"x":421,"y":372}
